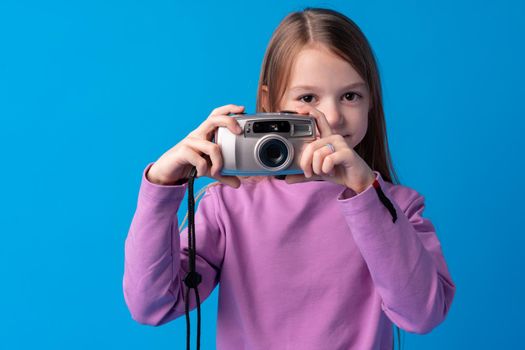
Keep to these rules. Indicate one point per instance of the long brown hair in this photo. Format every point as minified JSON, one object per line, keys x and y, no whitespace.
{"x":338,"y":33}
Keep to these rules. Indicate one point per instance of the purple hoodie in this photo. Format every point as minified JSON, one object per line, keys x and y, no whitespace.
{"x":310,"y":265}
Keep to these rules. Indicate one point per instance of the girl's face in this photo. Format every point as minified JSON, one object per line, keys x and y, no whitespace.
{"x":330,"y":84}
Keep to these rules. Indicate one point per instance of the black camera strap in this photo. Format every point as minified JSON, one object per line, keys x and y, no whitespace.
{"x":192,"y":278}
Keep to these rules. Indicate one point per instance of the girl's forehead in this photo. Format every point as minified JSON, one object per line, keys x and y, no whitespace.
{"x":314,"y":67}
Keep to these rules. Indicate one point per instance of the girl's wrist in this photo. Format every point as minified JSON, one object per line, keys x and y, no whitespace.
{"x":159,"y":180}
{"x":366,"y":184}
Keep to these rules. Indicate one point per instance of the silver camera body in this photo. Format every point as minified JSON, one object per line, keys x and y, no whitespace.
{"x":270,"y":144}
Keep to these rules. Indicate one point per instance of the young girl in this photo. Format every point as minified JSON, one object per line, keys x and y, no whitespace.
{"x":318,"y":261}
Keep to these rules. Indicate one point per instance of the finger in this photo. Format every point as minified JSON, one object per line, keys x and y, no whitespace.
{"x":307,"y":162}
{"x":232,"y":181}
{"x":298,"y":178}
{"x":212,"y":150}
{"x":205,"y":130}
{"x":328,"y":166}
{"x":223,"y":110}
{"x":213,"y":157}
{"x":345,"y":158}
{"x":195,"y":159}
{"x":202,"y":163}
{"x":318,"y":159}
{"x":320,"y":119}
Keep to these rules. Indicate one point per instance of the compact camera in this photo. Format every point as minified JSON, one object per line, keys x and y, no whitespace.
{"x":270,"y":144}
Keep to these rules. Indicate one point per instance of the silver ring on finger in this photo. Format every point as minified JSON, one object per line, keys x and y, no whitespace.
{"x":329,"y":145}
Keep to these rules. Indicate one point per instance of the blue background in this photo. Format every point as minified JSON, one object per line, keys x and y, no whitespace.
{"x":92,"y":91}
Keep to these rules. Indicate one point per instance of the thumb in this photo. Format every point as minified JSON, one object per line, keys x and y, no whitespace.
{"x":232,"y":181}
{"x":295,"y":178}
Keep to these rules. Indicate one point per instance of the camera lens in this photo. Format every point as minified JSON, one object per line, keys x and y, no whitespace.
{"x":273,"y":153}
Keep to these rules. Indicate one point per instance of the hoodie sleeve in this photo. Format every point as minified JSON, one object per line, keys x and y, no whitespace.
{"x":156,"y":256}
{"x":404,"y":257}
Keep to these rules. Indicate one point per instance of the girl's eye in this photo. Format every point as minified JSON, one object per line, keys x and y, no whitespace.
{"x":350,"y":96}
{"x":305,"y":96}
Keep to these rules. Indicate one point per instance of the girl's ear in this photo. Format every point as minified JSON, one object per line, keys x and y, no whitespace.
{"x":264,"y":98}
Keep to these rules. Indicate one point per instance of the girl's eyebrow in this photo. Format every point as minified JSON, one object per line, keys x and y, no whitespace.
{"x":309,"y":87}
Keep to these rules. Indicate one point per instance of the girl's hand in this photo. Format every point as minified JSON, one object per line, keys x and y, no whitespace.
{"x":197,"y":150}
{"x":343,"y":166}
